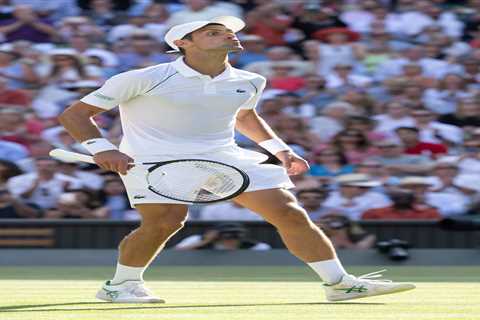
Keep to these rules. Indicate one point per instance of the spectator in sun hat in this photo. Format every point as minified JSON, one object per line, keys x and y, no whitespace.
{"x":354,"y":195}
{"x":405,"y":205}
{"x":446,"y":203}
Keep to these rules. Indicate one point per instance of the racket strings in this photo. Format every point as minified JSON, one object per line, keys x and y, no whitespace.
{"x":195,"y":181}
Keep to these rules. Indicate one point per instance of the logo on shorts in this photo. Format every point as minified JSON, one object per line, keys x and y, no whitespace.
{"x":138,"y":197}
{"x":241,"y":91}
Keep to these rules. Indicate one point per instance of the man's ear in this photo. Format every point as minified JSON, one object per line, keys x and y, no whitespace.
{"x":179,"y":43}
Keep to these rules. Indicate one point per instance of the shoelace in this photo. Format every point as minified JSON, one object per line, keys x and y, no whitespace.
{"x":371,"y":277}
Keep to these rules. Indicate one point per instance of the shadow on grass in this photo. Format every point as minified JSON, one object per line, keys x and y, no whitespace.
{"x":21,"y":308}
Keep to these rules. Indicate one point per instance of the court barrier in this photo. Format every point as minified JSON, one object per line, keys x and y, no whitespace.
{"x":105,"y":234}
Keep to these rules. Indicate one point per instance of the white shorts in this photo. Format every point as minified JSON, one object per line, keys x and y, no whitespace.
{"x":262,"y":176}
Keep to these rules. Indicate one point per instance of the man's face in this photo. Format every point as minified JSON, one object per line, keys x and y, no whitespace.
{"x":311,"y":199}
{"x":213,"y":38}
{"x":407,"y":136}
{"x":46,"y":165}
{"x":390,"y":151}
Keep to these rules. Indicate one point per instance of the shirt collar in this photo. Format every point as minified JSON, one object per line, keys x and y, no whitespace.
{"x":188,"y":72}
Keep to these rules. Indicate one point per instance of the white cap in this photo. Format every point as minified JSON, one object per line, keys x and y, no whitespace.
{"x":357,"y":180}
{"x":179,"y":31}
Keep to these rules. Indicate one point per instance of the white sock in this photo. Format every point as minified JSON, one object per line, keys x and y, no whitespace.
{"x":127,"y":273}
{"x":330,"y":271}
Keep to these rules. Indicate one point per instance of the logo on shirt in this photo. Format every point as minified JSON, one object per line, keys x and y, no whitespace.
{"x":91,"y":142}
{"x":138,"y":197}
{"x":104,"y":97}
{"x":241,"y":91}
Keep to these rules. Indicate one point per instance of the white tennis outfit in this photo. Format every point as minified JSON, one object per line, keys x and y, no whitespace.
{"x":170,"y":111}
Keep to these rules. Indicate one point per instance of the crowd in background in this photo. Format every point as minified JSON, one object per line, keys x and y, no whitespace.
{"x":382,"y":98}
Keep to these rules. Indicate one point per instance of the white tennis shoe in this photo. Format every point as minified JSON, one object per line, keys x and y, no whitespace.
{"x":351,"y":287}
{"x":130,"y":291}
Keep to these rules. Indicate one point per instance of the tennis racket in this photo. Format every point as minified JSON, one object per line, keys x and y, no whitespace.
{"x":186,"y":180}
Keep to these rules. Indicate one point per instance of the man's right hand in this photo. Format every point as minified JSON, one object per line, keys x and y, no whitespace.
{"x":114,"y":160}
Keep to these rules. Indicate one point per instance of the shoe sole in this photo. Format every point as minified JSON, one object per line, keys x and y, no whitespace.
{"x":102,"y":297}
{"x":401,"y":289}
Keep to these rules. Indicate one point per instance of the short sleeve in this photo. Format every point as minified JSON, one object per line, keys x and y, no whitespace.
{"x":119,"y":88}
{"x":259,"y":85}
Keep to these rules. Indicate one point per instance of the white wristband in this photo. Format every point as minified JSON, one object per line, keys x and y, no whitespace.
{"x":274,"y":146}
{"x":98,"y":145}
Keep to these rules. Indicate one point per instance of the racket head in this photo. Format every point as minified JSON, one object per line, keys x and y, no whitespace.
{"x":196,"y":180}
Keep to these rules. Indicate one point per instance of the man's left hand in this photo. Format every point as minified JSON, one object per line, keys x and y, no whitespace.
{"x":294,"y":164}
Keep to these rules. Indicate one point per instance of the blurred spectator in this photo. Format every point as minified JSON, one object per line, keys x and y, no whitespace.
{"x":8,"y":169}
{"x":447,"y":204}
{"x":344,"y":233}
{"x":392,"y":156}
{"x":105,"y":13}
{"x":312,"y":201}
{"x":12,"y":151}
{"x":355,"y":196}
{"x":466,"y":115}
{"x":271,"y":23}
{"x":315,"y":17}
{"x":282,"y":78}
{"x":354,"y":145}
{"x":114,"y":201}
{"x":445,"y":97}
{"x":89,"y":180}
{"x":315,"y":93}
{"x":396,"y":115}
{"x":433,"y":131}
{"x":296,"y":131}
{"x":70,"y":28}
{"x":342,"y":78}
{"x":19,"y":73}
{"x":75,"y":204}
{"x":26,"y":25}
{"x":253,"y":51}
{"x":329,"y":162}
{"x":226,"y":236}
{"x":15,"y":126}
{"x":228,"y":211}
{"x":12,"y":208}
{"x":405,"y":207}
{"x":410,"y":138}
{"x":144,"y":53}
{"x":332,"y":119}
{"x":44,"y":187}
{"x":12,"y":97}
{"x":336,"y":48}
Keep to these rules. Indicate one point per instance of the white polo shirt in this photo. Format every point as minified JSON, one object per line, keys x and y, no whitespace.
{"x":170,"y":108}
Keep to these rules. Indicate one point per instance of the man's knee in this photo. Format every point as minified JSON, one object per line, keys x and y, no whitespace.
{"x":165,"y":221}
{"x":292,"y":217}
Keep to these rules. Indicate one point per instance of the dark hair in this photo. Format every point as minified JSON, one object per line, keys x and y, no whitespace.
{"x":77,"y":64}
{"x":12,"y":170}
{"x":321,"y":191}
{"x":188,"y":36}
{"x":362,"y":143}
{"x":413,"y":129}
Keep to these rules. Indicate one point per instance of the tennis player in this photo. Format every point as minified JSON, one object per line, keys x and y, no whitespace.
{"x":189,"y":108}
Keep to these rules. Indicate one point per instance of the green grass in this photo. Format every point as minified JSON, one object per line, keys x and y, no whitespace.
{"x":231,"y":293}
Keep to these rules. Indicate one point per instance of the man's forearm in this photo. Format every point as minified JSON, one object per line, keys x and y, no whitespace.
{"x":77,"y":121}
